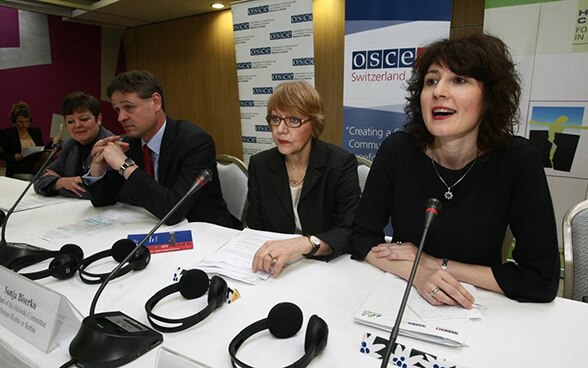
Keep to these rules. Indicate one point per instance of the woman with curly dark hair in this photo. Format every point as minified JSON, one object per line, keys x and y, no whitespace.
{"x":460,"y":146}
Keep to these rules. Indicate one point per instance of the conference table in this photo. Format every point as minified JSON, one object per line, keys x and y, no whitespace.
{"x":511,"y":334}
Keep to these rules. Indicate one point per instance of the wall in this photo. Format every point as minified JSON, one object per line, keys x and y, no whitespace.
{"x":74,"y":64}
{"x":198,"y":72}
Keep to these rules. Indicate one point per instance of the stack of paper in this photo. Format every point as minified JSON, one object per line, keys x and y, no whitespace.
{"x":235,"y":258}
{"x":448,"y":325}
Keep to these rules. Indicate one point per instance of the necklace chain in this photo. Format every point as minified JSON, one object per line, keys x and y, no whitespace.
{"x":449,"y":194}
{"x":292,"y":181}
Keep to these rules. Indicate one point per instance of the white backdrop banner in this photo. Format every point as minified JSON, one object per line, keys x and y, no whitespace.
{"x":273,"y":44}
{"x":382,"y":41}
{"x":549,"y":43}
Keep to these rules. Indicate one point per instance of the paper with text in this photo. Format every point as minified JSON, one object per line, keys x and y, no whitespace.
{"x":235,"y":258}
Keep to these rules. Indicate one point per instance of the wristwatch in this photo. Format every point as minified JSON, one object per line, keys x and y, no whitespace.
{"x":316,"y":244}
{"x":128,"y":163}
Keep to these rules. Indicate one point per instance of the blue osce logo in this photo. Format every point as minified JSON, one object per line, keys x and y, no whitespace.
{"x":247,"y":65}
{"x":260,"y":51}
{"x":301,"y":18}
{"x":240,"y":26}
{"x":384,"y":59}
{"x":282,"y":76}
{"x":249,"y":139}
{"x":280,"y":35}
{"x":247,"y":103}
{"x":302,"y":61}
{"x":262,"y":128}
{"x":258,"y":10}
{"x":263,"y":90}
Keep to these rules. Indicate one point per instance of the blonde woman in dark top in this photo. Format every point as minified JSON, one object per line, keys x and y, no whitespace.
{"x":302,"y":186}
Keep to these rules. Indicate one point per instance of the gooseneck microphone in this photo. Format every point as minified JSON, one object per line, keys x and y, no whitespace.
{"x":432,"y":208}
{"x":111,"y":339}
{"x":22,"y":254}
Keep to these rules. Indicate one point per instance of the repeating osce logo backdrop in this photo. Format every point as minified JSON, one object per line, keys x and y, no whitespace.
{"x":273,"y":44}
{"x":382,"y":43}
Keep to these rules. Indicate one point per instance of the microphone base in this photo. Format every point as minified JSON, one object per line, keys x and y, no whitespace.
{"x":20,"y":254}
{"x":111,"y":339}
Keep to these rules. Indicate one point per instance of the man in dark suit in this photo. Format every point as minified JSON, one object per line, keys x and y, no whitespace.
{"x":179,"y":150}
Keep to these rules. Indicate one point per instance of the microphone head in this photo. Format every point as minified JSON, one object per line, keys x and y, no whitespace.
{"x":432,"y":208}
{"x":433,"y":204}
{"x":205,"y":176}
{"x":57,"y":146}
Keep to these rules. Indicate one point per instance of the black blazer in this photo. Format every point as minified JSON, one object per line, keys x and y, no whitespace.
{"x":10,"y":145}
{"x":186,"y":150}
{"x":330,"y":194}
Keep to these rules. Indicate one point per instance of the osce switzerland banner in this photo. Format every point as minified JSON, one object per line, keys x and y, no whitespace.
{"x":273,"y":44}
{"x":382,"y":40}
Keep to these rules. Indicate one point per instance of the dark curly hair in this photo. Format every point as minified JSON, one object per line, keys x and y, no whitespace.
{"x":484,"y":58}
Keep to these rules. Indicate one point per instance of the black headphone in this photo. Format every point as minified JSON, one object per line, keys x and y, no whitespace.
{"x":64,"y":265}
{"x":193,"y":284}
{"x":119,"y":251}
{"x":284,"y":320}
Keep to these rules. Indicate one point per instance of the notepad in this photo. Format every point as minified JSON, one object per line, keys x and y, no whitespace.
{"x":381,"y":307}
{"x":166,"y":241}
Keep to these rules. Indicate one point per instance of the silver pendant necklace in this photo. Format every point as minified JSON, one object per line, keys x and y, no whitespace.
{"x":449,"y":194}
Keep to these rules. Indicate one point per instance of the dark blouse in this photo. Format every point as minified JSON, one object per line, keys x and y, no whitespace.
{"x":503,"y":188}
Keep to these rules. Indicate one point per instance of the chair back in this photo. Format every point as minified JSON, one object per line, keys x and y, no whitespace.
{"x":575,"y":238}
{"x":233,"y":175}
{"x":363,"y":169}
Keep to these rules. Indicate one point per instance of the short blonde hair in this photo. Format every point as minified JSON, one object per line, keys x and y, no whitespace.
{"x":302,"y":98}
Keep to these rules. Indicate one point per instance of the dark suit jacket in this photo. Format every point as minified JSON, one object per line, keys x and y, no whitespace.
{"x":69,"y":163}
{"x":10,"y":145}
{"x":330,"y":194}
{"x":185,"y":151}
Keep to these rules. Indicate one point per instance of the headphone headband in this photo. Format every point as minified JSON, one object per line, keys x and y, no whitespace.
{"x":314,"y":343}
{"x":64,"y":265}
{"x":120,"y":249}
{"x":198,"y":280}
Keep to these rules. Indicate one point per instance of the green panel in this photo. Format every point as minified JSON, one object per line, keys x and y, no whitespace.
{"x":504,"y":3}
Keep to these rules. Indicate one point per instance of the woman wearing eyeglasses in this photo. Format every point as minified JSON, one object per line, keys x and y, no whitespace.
{"x":302,"y":186}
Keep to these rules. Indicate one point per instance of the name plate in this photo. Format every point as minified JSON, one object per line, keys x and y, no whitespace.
{"x":37,"y":314}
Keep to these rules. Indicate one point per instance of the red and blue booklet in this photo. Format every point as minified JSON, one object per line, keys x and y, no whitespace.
{"x":166,"y":241}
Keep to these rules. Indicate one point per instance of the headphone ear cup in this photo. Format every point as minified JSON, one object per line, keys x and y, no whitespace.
{"x":121,"y":249}
{"x":193,"y":284}
{"x":217,"y":291}
{"x":317,"y":334}
{"x":64,"y":266}
{"x":284,"y":320}
{"x":141,"y":258}
{"x":73,"y":249}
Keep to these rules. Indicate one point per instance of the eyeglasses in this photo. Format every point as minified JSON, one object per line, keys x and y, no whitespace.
{"x":291,"y":121}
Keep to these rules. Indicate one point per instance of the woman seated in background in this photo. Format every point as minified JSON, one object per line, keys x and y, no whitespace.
{"x":459,"y":146}
{"x":83,"y":121}
{"x":303,"y":186}
{"x":20,"y":137}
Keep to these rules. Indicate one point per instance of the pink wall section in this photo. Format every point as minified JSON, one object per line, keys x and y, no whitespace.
{"x":75,"y":55}
{"x":9,"y":27}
